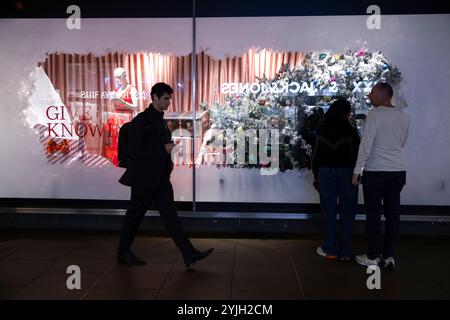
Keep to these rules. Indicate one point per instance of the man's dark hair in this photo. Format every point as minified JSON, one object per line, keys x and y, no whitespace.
{"x":160,"y":88}
{"x":338,"y":110}
{"x":386,"y":88}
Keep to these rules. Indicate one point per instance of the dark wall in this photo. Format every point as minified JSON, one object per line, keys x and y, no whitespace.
{"x":213,"y":8}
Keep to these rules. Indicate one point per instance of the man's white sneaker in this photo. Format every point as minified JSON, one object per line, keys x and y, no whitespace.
{"x":365,"y":261}
{"x":389,"y":263}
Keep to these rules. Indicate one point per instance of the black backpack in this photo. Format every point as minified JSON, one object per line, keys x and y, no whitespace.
{"x":123,"y":154}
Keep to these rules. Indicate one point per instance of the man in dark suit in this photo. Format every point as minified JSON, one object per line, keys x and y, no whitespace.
{"x":148,"y":175}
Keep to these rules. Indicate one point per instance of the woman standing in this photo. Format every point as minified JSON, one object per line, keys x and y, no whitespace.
{"x":333,"y":160}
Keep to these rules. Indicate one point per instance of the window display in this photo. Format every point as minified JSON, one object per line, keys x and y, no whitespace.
{"x":288,"y":100}
{"x":247,"y":127}
{"x":282,"y":92}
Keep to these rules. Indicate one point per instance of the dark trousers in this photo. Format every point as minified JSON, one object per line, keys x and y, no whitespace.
{"x":334,"y":184}
{"x":141,"y":199}
{"x":383,"y":186}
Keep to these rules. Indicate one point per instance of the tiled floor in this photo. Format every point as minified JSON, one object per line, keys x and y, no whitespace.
{"x":33,"y":266}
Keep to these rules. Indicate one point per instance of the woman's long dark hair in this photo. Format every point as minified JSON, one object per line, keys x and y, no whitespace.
{"x":338,"y":111}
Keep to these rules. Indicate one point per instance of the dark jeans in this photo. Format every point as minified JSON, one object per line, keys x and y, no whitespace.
{"x":382,"y":186}
{"x":334,"y":184}
{"x":141,"y":199}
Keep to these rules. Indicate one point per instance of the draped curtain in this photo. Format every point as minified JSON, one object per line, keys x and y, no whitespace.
{"x":211,"y":73}
{"x":81,"y":79}
{"x":73,"y":73}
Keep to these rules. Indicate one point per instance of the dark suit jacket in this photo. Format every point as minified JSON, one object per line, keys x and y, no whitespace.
{"x":150,"y":163}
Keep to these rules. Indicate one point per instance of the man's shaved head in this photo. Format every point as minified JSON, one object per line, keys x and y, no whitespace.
{"x":385,"y":88}
{"x":381,"y":94}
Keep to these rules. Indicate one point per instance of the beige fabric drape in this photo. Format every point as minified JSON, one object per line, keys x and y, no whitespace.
{"x":254,"y":63}
{"x":72,"y":74}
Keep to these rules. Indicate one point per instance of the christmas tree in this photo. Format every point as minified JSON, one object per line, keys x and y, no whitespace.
{"x":296,"y":113}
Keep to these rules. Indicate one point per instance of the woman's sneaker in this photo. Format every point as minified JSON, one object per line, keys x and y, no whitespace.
{"x":322,"y":253}
{"x":389,"y":263}
{"x":365,"y":261}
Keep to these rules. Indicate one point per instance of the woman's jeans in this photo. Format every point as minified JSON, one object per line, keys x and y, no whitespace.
{"x":334,"y":184}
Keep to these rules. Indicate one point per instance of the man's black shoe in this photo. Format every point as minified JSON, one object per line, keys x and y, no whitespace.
{"x":130,"y":259}
{"x":199,"y":255}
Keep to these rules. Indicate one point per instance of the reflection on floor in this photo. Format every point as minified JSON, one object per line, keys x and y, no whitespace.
{"x":33,"y":266}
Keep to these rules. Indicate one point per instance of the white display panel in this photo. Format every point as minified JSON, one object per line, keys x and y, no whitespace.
{"x":27,"y":93}
{"x":417,"y":44}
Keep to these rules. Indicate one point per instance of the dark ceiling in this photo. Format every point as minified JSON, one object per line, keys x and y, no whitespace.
{"x":213,"y":8}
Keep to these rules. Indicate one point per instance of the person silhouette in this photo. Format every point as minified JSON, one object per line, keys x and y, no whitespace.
{"x":148,"y":175}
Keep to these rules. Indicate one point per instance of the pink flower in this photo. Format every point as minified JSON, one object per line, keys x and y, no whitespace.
{"x":361,"y":52}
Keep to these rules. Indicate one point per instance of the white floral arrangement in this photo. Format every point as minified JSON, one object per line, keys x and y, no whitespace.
{"x":350,"y":75}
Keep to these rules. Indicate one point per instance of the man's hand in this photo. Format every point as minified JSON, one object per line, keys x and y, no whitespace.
{"x":316,"y":185}
{"x":355,"y":179}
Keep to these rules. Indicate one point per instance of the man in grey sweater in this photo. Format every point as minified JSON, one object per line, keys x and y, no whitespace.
{"x":380,"y":160}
